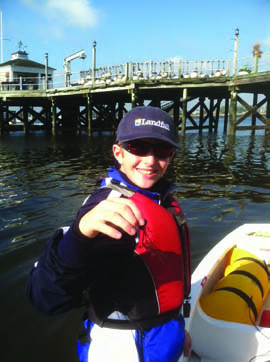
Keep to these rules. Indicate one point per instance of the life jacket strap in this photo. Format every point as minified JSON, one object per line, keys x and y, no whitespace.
{"x":125,"y":324}
{"x":122,"y":189}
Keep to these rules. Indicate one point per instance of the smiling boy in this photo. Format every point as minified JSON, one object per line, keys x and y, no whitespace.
{"x":126,"y":255}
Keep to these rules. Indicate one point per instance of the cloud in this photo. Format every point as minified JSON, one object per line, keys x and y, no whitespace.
{"x":267,"y":41}
{"x":78,"y":13}
{"x":75,"y":13}
{"x":175,"y":59}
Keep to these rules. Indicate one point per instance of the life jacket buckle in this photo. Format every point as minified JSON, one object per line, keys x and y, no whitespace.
{"x":186,"y":307}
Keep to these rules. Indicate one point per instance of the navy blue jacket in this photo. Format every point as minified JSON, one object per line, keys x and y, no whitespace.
{"x":72,"y":263}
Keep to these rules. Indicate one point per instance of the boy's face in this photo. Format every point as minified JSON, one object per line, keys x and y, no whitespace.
{"x":143,"y":171}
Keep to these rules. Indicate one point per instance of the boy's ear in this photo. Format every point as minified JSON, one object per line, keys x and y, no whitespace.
{"x":118,"y":153}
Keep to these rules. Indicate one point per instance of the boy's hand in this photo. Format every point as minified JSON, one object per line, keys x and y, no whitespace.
{"x":110,"y":215}
{"x":187,"y":344}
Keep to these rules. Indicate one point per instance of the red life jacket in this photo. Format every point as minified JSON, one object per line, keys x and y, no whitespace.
{"x":159,"y":274}
{"x":164,"y":253}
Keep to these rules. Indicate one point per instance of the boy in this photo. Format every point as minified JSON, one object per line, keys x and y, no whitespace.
{"x":126,"y":256}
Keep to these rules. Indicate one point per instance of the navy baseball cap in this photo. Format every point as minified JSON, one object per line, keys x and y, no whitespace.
{"x":147,"y":122}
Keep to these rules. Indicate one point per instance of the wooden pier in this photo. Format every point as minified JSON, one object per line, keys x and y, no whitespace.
{"x":195,"y":104}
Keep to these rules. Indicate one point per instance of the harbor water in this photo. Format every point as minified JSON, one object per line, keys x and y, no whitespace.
{"x":222,"y":182}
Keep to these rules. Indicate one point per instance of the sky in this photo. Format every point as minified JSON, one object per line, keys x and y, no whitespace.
{"x":136,"y":31}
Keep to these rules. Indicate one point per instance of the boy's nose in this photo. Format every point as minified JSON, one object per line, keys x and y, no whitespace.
{"x":150,"y":157}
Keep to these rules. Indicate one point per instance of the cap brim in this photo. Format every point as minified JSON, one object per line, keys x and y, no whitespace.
{"x":163,"y":139}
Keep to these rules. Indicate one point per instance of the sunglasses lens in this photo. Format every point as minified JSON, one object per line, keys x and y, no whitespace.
{"x":139,"y":149}
{"x":143,"y":148}
{"x":163,"y":152}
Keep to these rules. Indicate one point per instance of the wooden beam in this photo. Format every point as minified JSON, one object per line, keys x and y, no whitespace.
{"x":25,"y":119}
{"x":232,"y":112}
{"x":267,"y":124}
{"x":133,"y":98}
{"x":184,"y":114}
{"x":1,"y":118}
{"x":217,"y":114}
{"x":211,"y":115}
{"x":53,"y":116}
{"x":201,"y":114}
{"x":251,"y":110}
{"x":226,"y":115}
{"x":248,"y":128}
{"x":255,"y":101}
{"x":89,"y":114}
{"x":176,"y":113}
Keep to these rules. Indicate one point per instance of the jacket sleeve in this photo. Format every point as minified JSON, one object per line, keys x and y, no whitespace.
{"x":56,"y":282}
{"x":54,"y":286}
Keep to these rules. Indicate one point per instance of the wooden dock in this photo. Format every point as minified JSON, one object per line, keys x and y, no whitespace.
{"x":194,"y":104}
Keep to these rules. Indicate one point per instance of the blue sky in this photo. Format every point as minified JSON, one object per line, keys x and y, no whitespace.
{"x":136,"y":31}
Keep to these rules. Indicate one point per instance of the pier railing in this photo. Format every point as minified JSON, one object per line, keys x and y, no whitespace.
{"x":149,"y":70}
{"x":253,"y":64}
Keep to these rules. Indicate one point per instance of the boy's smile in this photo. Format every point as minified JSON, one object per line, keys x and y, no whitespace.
{"x":143,"y":171}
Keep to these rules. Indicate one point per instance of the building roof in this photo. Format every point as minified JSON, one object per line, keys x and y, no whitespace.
{"x":24,"y":63}
{"x":20,"y":53}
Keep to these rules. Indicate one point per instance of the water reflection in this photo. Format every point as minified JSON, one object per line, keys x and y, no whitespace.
{"x":219,"y":165}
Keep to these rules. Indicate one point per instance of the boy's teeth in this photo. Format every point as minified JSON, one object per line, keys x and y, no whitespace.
{"x":146,"y":172}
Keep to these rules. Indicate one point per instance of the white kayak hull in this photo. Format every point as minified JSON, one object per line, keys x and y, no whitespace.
{"x":219,"y":340}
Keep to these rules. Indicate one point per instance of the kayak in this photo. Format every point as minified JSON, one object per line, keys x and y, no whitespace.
{"x":230,"y":299}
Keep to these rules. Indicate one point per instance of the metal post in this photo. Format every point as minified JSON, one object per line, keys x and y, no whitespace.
{"x":126,"y":71}
{"x":1,"y":35}
{"x":235,"y":52}
{"x":94,"y":61}
{"x":256,"y":62}
{"x":130,"y":71}
{"x":67,"y":73}
{"x":228,"y":70}
{"x":179,"y":69}
{"x":46,"y":71}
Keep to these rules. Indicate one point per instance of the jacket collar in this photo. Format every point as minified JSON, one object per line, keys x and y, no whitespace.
{"x":158,"y":193}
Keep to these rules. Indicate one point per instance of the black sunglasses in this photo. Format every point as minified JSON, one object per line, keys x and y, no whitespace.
{"x":141,"y":148}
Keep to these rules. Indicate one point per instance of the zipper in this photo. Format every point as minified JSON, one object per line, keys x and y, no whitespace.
{"x":141,"y":331}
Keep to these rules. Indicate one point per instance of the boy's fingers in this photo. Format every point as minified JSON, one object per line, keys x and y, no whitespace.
{"x":109,"y":216}
{"x":128,"y":210}
{"x":111,"y":231}
{"x":124,"y":223}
